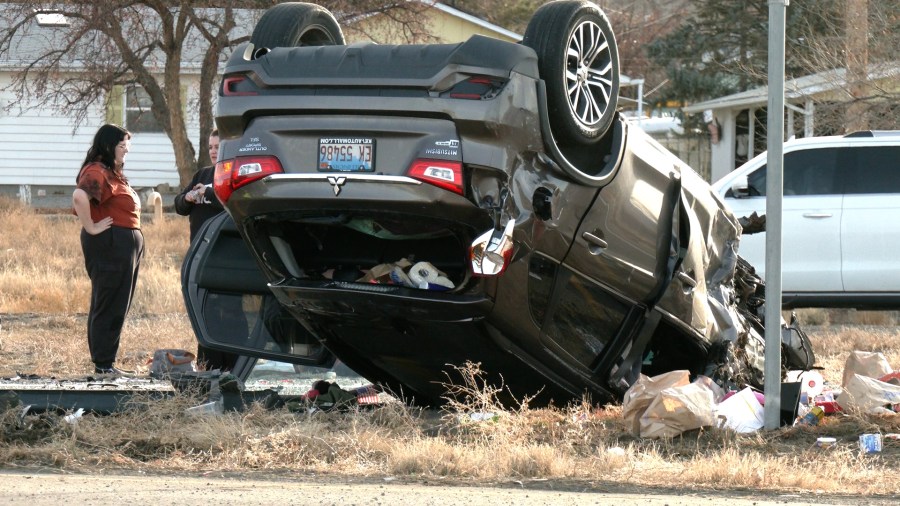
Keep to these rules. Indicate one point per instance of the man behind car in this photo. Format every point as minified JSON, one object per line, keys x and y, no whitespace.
{"x":198,"y":202}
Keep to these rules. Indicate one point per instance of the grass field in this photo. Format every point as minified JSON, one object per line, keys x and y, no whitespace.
{"x":43,"y":304}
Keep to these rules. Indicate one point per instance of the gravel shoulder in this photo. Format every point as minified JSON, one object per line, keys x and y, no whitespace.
{"x":45,"y":488}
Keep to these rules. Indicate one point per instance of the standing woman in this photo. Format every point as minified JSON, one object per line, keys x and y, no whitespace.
{"x":111,"y":240}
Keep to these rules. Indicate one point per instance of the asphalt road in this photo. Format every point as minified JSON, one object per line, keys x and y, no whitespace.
{"x":42,"y":488}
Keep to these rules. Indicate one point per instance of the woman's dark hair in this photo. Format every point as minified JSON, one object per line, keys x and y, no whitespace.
{"x":103,"y":149}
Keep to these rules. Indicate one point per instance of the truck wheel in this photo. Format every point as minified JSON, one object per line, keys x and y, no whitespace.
{"x":295,"y":24}
{"x":579,"y":62}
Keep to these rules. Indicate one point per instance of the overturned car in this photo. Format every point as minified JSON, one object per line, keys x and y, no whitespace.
{"x":405,"y":209}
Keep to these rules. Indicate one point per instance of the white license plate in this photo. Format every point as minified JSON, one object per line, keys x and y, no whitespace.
{"x":347,"y":154}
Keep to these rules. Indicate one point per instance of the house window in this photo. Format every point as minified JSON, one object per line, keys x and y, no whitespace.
{"x":138,"y":117}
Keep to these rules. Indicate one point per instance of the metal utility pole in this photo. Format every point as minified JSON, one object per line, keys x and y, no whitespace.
{"x":774,"y":197}
{"x":857,"y":63}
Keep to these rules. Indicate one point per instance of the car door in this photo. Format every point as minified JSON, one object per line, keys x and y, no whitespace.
{"x":870,"y":228}
{"x":811,"y":220}
{"x":619,"y":261}
{"x":231,"y":307}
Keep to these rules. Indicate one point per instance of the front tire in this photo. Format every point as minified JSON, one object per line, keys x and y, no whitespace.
{"x":579,"y":61}
{"x":295,"y":24}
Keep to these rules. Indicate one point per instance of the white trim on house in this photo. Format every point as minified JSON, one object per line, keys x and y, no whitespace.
{"x":794,"y":89}
{"x":798,"y":94}
{"x":475,"y":20}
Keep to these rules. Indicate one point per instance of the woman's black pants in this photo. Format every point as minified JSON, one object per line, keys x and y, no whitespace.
{"x":112,"y":259}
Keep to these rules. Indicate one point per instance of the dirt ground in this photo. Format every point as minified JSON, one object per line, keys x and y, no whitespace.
{"x":52,"y":486}
{"x":42,"y":488}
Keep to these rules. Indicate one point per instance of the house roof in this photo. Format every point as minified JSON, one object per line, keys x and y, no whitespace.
{"x":474,"y":19}
{"x":794,"y":89}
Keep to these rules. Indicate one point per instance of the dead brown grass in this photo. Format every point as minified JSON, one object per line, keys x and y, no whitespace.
{"x":582,"y":443}
{"x":43,"y":299}
{"x":42,"y":268}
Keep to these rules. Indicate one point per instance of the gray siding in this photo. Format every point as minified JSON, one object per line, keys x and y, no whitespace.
{"x":41,"y":149}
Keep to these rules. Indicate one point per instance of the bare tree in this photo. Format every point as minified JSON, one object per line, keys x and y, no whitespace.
{"x":102,"y":45}
{"x":860,"y":50}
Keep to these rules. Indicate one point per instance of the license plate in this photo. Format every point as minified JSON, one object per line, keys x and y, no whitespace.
{"x":347,"y":154}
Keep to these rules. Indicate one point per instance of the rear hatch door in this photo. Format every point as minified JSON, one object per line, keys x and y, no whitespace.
{"x":231,"y":307}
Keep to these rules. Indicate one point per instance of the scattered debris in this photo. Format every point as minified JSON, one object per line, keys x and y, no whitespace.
{"x":73,"y":418}
{"x":870,"y":384}
{"x":667,"y":405}
{"x":325,"y":395}
{"x":870,"y":443}
{"x":422,"y":275}
{"x":209,"y":408}
{"x":826,"y":442}
{"x":741,"y":412}
{"x":164,"y":363}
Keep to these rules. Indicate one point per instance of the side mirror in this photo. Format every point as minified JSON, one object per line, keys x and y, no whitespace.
{"x":740,"y":188}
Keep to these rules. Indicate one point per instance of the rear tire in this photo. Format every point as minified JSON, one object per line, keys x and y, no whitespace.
{"x":296,"y":24}
{"x":579,"y":61}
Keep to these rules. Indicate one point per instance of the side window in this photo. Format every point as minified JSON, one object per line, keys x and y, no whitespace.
{"x":806,"y":172}
{"x":756,"y":182}
{"x":812,"y":171}
{"x":585,"y":318}
{"x":875,"y":169}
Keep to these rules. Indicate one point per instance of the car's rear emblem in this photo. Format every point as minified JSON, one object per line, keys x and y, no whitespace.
{"x":336,"y":183}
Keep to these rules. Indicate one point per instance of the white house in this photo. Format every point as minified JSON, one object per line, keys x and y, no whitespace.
{"x":740,"y":139}
{"x":44,"y":150}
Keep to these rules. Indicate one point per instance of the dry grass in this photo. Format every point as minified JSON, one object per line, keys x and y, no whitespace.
{"x":42,"y":268}
{"x":43,"y":278}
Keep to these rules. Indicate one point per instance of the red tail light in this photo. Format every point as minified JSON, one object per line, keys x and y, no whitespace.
{"x":476,"y":88}
{"x":232,"y":174}
{"x":445,"y":174}
{"x":237,"y":86}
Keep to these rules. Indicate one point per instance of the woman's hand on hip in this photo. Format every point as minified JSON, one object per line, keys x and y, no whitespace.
{"x":99,"y":226}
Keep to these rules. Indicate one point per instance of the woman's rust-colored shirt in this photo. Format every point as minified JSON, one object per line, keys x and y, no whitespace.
{"x":110,"y":195}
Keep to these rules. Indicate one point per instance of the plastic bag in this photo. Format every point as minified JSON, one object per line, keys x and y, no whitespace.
{"x":741,"y":412}
{"x":642,"y":393}
{"x":869,"y":395}
{"x":679,"y":409}
{"x":867,"y":363}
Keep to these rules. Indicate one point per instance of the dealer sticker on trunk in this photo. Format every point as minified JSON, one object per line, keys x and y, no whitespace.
{"x":347,"y":154}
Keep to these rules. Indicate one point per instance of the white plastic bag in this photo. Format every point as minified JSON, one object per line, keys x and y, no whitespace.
{"x":869,"y":395}
{"x":741,"y":412}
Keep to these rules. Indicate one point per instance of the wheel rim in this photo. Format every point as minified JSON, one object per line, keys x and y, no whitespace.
{"x":589,"y":73}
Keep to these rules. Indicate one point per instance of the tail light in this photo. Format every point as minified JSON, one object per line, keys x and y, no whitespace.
{"x":238,"y":86}
{"x":445,"y":174}
{"x":476,"y":88}
{"x":232,"y":174}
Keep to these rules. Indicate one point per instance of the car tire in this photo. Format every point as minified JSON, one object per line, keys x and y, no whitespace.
{"x":571,"y":62}
{"x":295,"y":24}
